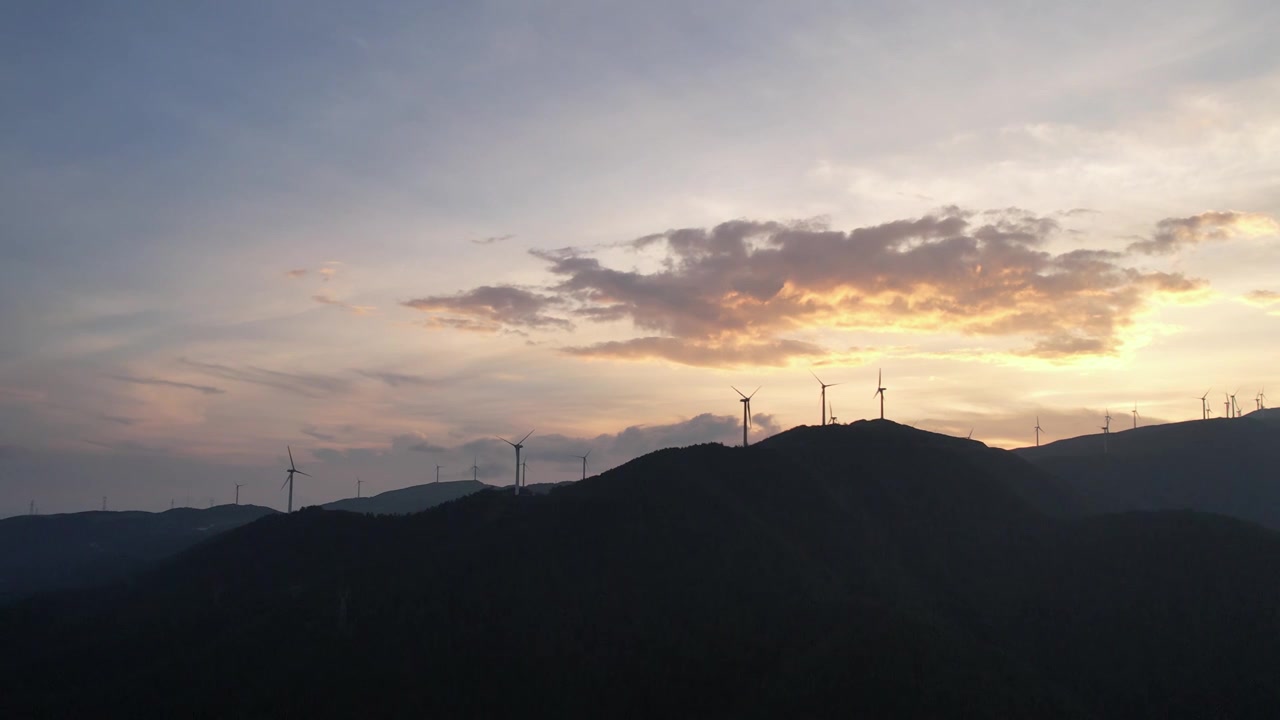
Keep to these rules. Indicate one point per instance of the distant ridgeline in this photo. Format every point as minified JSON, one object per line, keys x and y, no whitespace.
{"x":866,"y":570}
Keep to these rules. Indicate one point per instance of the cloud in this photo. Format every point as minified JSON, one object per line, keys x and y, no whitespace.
{"x":306,"y":385}
{"x":1173,"y":234}
{"x":329,"y":270}
{"x":491,"y":240}
{"x":325,"y":299}
{"x":771,"y":353}
{"x":313,"y":432}
{"x":116,"y":419}
{"x":1262,"y":298}
{"x":205,"y":389}
{"x":490,"y":309}
{"x":396,"y":379}
{"x":295,"y":274}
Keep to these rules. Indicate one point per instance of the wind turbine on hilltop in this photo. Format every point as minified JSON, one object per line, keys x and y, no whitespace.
{"x":524,"y":473}
{"x":1234,"y":407}
{"x":831,"y":413}
{"x":880,"y":388}
{"x":824,"y":394}
{"x":1262,"y":399}
{"x":1106,"y":429}
{"x":292,"y":470}
{"x":1038,"y":430}
{"x":437,"y":473}
{"x":1135,"y":416}
{"x":475,"y":469}
{"x":518,"y":446}
{"x":238,"y":486}
{"x":583,"y":458}
{"x":1226,"y":405}
{"x":359,"y":484}
{"x":1204,"y":405}
{"x":746,"y":411}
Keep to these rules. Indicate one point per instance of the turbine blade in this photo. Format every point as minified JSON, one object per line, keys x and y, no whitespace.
{"x":506,"y":441}
{"x":286,"y":447}
{"x":815,"y":377}
{"x":302,"y":473}
{"x":737,"y":391}
{"x":584,"y":457}
{"x":286,"y":482}
{"x":753,"y":392}
{"x":526,"y":437}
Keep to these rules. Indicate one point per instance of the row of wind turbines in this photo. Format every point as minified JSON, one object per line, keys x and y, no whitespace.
{"x":1231,"y":409}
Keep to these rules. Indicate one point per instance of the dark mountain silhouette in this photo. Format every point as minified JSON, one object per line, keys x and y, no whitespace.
{"x":1226,"y":466}
{"x":39,"y":553}
{"x":867,"y":570}
{"x":408,"y":500}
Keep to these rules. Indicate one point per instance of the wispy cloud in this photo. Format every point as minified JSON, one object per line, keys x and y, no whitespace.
{"x":205,"y":389}
{"x":394,"y":379}
{"x":305,"y":385}
{"x":491,"y":308}
{"x":317,"y":434}
{"x":325,"y":299}
{"x":295,"y":274}
{"x":1173,"y":234}
{"x":491,"y":240}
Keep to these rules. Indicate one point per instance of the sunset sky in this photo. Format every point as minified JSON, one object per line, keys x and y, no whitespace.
{"x":383,"y":233}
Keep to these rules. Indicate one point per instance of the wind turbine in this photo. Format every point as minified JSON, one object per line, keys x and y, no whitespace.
{"x":292,"y":470}
{"x":104,"y":503}
{"x":359,"y":483}
{"x":475,"y":468}
{"x":1226,"y":405}
{"x":1204,"y":405}
{"x":524,"y":473}
{"x":1038,"y":431}
{"x":238,"y":486}
{"x":880,"y":388}
{"x":824,"y":394}
{"x":1262,"y":399}
{"x":518,"y":446}
{"x":746,"y":411}
{"x":831,"y":413}
{"x":1135,"y":416}
{"x":1234,"y":407}
{"x":437,"y":473}
{"x":583,"y":458}
{"x":970,"y":435}
{"x":1106,"y":430}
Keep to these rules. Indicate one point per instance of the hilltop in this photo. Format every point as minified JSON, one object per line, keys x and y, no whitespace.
{"x":408,"y":500}
{"x":867,"y":570}
{"x":1226,"y":466}
{"x":40,"y":553}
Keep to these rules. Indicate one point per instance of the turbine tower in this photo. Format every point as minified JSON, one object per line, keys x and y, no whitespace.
{"x":1204,"y":405}
{"x":524,"y":473}
{"x":1262,"y":399}
{"x":1235,"y":409}
{"x":437,"y":473}
{"x":475,"y":468}
{"x":831,"y":413}
{"x":583,"y":458}
{"x":1038,"y":430}
{"x":518,"y":446}
{"x":292,"y":470}
{"x":746,"y":411}
{"x":1106,"y":430}
{"x":1135,"y":416}
{"x":1226,"y":405}
{"x":238,"y":486}
{"x":104,"y":503}
{"x":823,"y":407}
{"x":359,"y":483}
{"x":880,"y":388}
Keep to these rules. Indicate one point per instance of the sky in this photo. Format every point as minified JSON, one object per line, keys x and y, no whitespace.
{"x":383,"y":233}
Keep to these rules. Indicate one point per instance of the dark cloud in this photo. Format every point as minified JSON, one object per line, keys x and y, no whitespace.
{"x":1173,"y":234}
{"x":739,"y":292}
{"x":396,"y":379}
{"x":491,"y":308}
{"x":205,"y":389}
{"x":492,"y":240}
{"x":310,"y":386}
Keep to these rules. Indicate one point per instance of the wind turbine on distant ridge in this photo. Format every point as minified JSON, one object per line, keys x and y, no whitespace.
{"x":475,"y":469}
{"x":359,"y":484}
{"x":1106,"y":430}
{"x":1234,"y":407}
{"x":824,"y":394}
{"x":1226,"y":404}
{"x":292,"y":470}
{"x":238,"y":486}
{"x":831,"y":413}
{"x":437,"y":473}
{"x":1204,"y":405}
{"x":1038,"y":431}
{"x":518,"y":446}
{"x":746,"y":411}
{"x":1135,"y":416}
{"x":880,"y":388}
{"x":583,"y":458}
